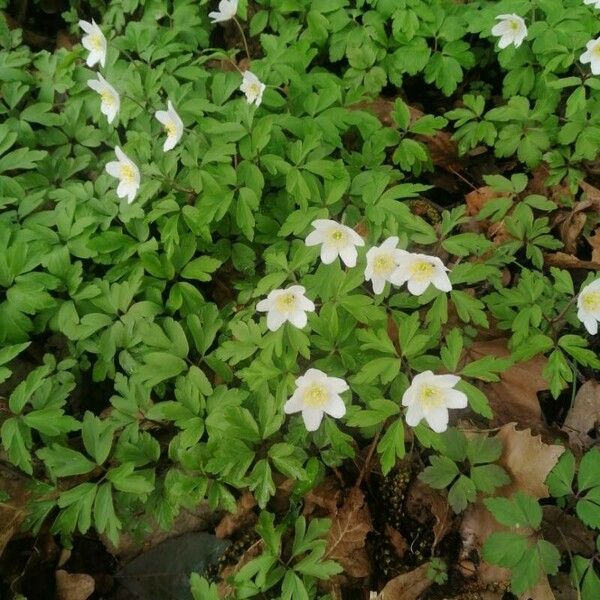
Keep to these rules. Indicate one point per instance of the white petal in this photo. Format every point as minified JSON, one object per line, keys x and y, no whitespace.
{"x":323,"y":223}
{"x":170,"y":143}
{"x":275,"y":320}
{"x":313,"y":375}
{"x":162,"y":116}
{"x":455,"y":399}
{"x":441,"y":281}
{"x":335,"y":407}
{"x":264,"y":305}
{"x":409,"y":396}
{"x":414,"y":414}
{"x":314,"y":238}
{"x":349,"y":256}
{"x":446,"y":381}
{"x":113,"y":168}
{"x":417,"y":287}
{"x":328,"y":253}
{"x":294,"y":404}
{"x":590,"y":324}
{"x":298,"y":319}
{"x":305,"y":304}
{"x":357,"y":240}
{"x":378,"y":284}
{"x":438,"y":419}
{"x":389,"y":244}
{"x":337,"y":385}
{"x":312,"y":418}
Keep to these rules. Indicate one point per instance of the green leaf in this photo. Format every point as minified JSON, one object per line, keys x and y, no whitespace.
{"x":97,"y":437}
{"x":64,"y":462}
{"x":391,"y":446}
{"x":505,"y":549}
{"x":441,"y":472}
{"x":560,"y":479}
{"x":461,"y":493}
{"x":125,"y":479}
{"x":589,"y":470}
{"x":489,"y":477}
{"x":519,"y":511}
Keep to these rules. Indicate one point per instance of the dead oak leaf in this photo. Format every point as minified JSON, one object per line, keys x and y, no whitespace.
{"x":408,"y":586}
{"x":568,"y":261}
{"x":514,"y":397}
{"x":231,"y":522}
{"x":346,"y":538}
{"x":584,"y":415}
{"x":74,"y":586}
{"x":527,"y":460}
{"x":420,"y":499}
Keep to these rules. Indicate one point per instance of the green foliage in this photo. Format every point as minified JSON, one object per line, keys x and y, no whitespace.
{"x":138,"y":377}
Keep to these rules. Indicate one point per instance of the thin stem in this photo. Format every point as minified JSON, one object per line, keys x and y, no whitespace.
{"x":564,"y":310}
{"x":368,"y":459}
{"x":239,"y":26}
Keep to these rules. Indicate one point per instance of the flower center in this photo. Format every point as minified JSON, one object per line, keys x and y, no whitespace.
{"x":107,"y":98}
{"x":383,"y":265}
{"x":591,"y":300}
{"x":422,"y":270}
{"x":286,"y":302}
{"x":171,"y":129}
{"x":254,"y":89}
{"x":127,"y":173}
{"x":337,"y":236}
{"x":514,"y":25}
{"x":596,"y":50}
{"x":316,"y":396}
{"x":431,"y":397}
{"x":96,"y":41}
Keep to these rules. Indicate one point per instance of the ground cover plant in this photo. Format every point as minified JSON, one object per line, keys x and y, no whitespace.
{"x":299,"y":299}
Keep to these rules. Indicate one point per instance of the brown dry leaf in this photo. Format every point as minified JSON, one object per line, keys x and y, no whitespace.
{"x":478,"y":198}
{"x":397,"y":540}
{"x":527,"y":460}
{"x":421,"y":498}
{"x":325,"y":496}
{"x":74,"y":586}
{"x":231,"y":522}
{"x":566,"y":532}
{"x":346,"y":538}
{"x":594,"y":241}
{"x":14,"y":510}
{"x":570,"y":229}
{"x":408,"y":586}
{"x":514,"y":397}
{"x":224,"y":589}
{"x":542,"y":591}
{"x":584,"y":415}
{"x":537,"y":185}
{"x":592,"y":194}
{"x":568,"y":261}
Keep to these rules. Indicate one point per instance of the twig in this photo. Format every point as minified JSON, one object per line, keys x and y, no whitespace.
{"x":368,"y":459}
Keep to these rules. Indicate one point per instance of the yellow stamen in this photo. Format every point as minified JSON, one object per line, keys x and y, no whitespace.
{"x":254,"y":89}
{"x":422,"y":270}
{"x":316,"y":396}
{"x":171,"y":129}
{"x":591,"y":300}
{"x":430,"y":396}
{"x":127,"y":173}
{"x":286,"y":302}
{"x":383,"y":265}
{"x":96,"y":41}
{"x":107,"y":98}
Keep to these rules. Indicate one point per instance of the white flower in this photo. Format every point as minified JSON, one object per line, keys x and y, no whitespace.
{"x":315,"y":394}
{"x":382,"y":261}
{"x":227,"y":10}
{"x":510,"y":30}
{"x":596,"y":3}
{"x":110,"y":100}
{"x":173,"y":125}
{"x":418,"y":271}
{"x":253,"y":87}
{"x":429,"y":397}
{"x":286,"y":305}
{"x":337,"y":240}
{"x":588,"y":303}
{"x":126,"y":171}
{"x":95,"y":42}
{"x":592,"y":55}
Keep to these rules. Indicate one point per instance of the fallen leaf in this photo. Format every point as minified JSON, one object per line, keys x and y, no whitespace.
{"x":243,"y":514}
{"x":164,"y":571}
{"x":225,"y":589}
{"x":397,"y":540}
{"x":570,"y":228}
{"x":13,"y":510}
{"x":408,"y":586}
{"x":423,"y":501}
{"x":594,"y":241}
{"x":537,"y":185}
{"x":568,"y":261}
{"x":346,"y":538}
{"x":74,"y":586}
{"x":514,"y":397}
{"x":541,"y":591}
{"x":592,"y":194}
{"x":527,"y":460}
{"x":566,"y":532}
{"x":478,"y":198}
{"x":584,"y":415}
{"x":325,"y":496}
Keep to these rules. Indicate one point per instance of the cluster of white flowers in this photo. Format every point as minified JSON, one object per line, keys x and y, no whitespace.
{"x":512,"y":30}
{"x":124,"y":169}
{"x":429,"y":396}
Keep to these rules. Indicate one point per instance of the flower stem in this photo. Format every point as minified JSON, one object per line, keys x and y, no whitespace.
{"x":239,"y":26}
